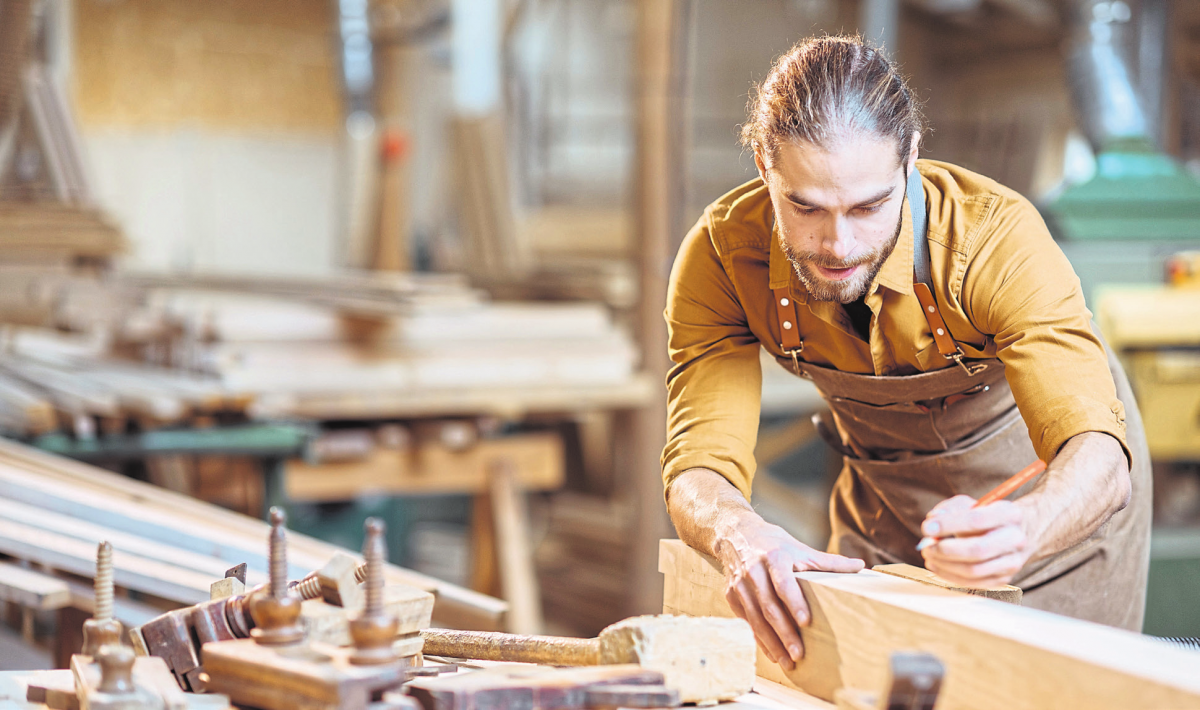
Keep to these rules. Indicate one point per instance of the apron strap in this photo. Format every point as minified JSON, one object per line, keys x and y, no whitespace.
{"x":789,"y":325}
{"x":923,"y":276}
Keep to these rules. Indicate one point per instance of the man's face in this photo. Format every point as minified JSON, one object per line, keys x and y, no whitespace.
{"x":838,"y":211}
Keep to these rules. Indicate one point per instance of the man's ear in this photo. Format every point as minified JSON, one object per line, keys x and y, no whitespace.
{"x":761,"y":165}
{"x":911,"y":163}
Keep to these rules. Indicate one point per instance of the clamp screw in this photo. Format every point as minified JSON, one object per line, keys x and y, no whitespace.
{"x":102,"y":629}
{"x":374,"y":630}
{"x":277,"y":613}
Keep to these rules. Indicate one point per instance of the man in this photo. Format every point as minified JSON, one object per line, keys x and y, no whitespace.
{"x":947,"y":333}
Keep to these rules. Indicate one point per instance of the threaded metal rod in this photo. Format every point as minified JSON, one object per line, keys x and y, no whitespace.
{"x":375,"y":553}
{"x":278,"y":554}
{"x":103,"y":583}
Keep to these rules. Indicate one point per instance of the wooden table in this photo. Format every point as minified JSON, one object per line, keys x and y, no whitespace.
{"x":496,"y":471}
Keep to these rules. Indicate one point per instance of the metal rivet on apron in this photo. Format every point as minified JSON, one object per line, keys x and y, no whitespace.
{"x":783,"y":301}
{"x":933,"y":309}
{"x":787,"y":325}
{"x":941,"y":332}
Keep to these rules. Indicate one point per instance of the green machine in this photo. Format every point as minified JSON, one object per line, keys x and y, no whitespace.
{"x":1119,"y":227}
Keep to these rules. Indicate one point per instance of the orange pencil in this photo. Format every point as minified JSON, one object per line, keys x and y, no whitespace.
{"x":1003,"y":490}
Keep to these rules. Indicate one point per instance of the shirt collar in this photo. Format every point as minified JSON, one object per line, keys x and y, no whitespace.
{"x":896,"y":272}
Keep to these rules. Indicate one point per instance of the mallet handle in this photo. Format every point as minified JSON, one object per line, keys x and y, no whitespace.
{"x":514,"y":648}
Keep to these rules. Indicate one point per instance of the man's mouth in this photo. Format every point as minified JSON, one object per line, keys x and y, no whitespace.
{"x":837,"y":274}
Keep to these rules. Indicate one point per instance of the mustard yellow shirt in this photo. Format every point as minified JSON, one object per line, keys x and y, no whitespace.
{"x":1004,"y":288}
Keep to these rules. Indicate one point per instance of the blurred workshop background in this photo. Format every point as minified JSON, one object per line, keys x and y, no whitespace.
{"x":407,"y":258}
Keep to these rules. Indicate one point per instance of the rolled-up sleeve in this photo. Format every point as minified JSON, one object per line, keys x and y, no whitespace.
{"x":1020,"y":288}
{"x":715,"y":383}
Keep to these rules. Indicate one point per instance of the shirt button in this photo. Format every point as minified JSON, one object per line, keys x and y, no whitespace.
{"x":787,"y":325}
{"x":933,"y":309}
{"x":783,"y":301}
{"x":941,"y":332}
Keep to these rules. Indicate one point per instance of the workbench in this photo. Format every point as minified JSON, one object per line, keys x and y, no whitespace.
{"x":766,"y":696}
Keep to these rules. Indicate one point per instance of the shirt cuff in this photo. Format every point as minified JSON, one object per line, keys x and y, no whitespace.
{"x":1066,"y":417}
{"x":733,"y":472}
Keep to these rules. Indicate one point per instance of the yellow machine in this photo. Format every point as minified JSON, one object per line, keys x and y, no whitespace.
{"x":1156,"y":331}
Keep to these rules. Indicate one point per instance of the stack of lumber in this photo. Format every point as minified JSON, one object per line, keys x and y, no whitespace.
{"x":49,"y":231}
{"x":51,"y":381}
{"x":182,"y":351}
{"x":583,"y":562}
{"x":287,"y":352}
{"x":168,"y":547}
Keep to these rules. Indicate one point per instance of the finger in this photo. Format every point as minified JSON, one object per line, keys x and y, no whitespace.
{"x":762,"y":628}
{"x":973,"y":521}
{"x":736,"y":606}
{"x":980,"y":574}
{"x":952,"y":505}
{"x":980,"y":548}
{"x":775,"y":613}
{"x":828,"y":562}
{"x":788,"y":590}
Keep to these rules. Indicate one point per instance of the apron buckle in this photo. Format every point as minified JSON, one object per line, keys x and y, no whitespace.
{"x":795,"y":353}
{"x":971,"y":370}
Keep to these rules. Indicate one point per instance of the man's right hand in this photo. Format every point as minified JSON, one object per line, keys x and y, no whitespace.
{"x":760,"y":561}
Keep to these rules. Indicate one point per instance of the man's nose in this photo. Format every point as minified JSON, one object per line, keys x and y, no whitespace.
{"x":839,"y":239}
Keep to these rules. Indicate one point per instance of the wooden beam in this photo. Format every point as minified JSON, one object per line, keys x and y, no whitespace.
{"x":32,"y":590}
{"x":659,"y":199}
{"x":433,"y":468}
{"x":997,"y":656}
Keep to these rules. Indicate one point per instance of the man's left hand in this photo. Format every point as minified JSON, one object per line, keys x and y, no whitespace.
{"x":980,"y":547}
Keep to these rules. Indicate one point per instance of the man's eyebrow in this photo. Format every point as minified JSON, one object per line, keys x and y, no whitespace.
{"x":793,"y":197}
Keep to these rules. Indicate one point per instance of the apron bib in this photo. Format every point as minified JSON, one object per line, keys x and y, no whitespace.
{"x":909,"y":442}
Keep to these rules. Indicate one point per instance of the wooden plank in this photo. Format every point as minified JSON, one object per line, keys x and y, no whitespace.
{"x":32,"y":590}
{"x":997,"y":656}
{"x":514,"y":550}
{"x":159,"y":550}
{"x":537,"y":460}
{"x":78,"y":557}
{"x":498,"y":401}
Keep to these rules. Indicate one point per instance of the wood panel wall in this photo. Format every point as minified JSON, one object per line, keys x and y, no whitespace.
{"x":267,"y":65}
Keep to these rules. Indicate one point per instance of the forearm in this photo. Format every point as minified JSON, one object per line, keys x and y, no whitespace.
{"x":707,"y":509}
{"x":1085,"y":484}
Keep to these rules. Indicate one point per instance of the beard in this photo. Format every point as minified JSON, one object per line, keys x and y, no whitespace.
{"x":847,"y":290}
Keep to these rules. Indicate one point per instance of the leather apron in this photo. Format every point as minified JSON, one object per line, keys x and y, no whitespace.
{"x":909,"y":442}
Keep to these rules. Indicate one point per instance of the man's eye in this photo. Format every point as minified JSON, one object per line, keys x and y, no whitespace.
{"x":871,"y":209}
{"x":805,"y":210}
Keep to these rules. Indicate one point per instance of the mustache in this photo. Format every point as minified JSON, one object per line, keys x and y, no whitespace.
{"x":825,"y":261}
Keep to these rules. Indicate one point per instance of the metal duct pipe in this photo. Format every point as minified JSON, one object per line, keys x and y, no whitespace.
{"x":1110,"y":109}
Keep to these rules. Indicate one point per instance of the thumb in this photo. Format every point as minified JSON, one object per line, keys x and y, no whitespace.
{"x":826,"y":562}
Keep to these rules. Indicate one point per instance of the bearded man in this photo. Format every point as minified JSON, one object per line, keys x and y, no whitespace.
{"x":945,"y":330}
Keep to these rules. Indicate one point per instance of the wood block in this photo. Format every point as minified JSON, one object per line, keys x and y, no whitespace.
{"x":520,"y":686}
{"x":1006,"y":593}
{"x":32,"y":590}
{"x":311,"y":676}
{"x":226,"y":587}
{"x":327,"y":623}
{"x":339,"y":586}
{"x":55,"y":689}
{"x":706,"y":659}
{"x":996,"y":656}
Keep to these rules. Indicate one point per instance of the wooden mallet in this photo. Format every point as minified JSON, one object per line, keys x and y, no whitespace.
{"x":704,"y":658}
